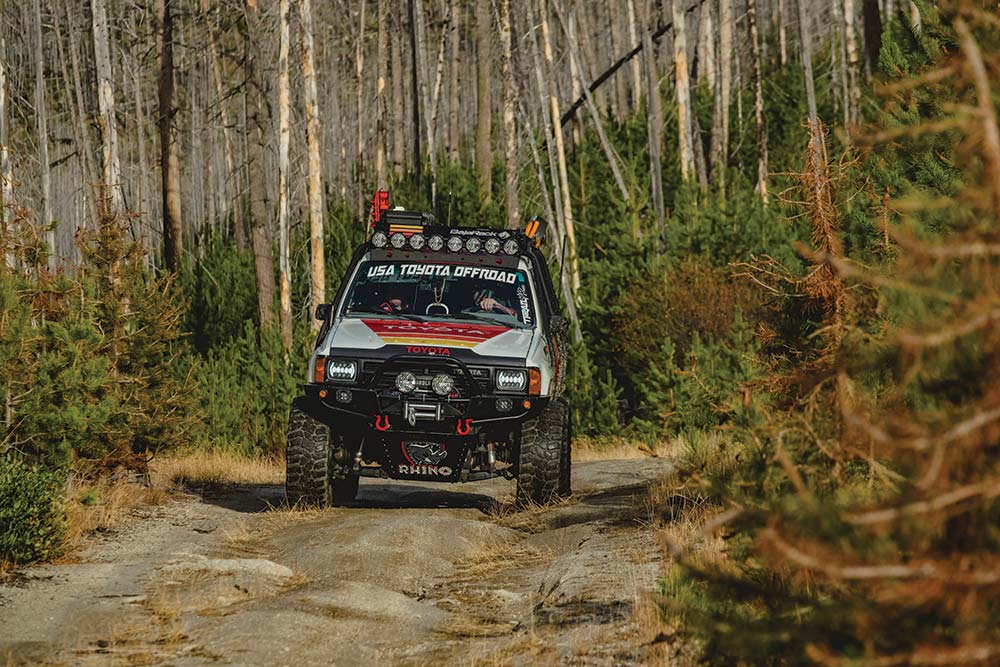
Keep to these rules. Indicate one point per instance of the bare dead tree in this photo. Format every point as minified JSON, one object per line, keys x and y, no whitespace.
{"x":484,"y":155}
{"x":509,"y":124}
{"x":173,"y":229}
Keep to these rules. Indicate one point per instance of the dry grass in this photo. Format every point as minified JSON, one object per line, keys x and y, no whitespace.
{"x":618,"y":447}
{"x":250,"y":540}
{"x":495,"y":556}
{"x":107,"y":504}
{"x":216,"y":468}
{"x":530,"y":517}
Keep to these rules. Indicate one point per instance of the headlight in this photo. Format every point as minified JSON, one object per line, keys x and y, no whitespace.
{"x":417,"y":241}
{"x":473,"y":244}
{"x":442,"y":384}
{"x":342,"y":370}
{"x":511,"y":247}
{"x":397,"y":240}
{"x":379,"y":239}
{"x":454,"y":244}
{"x":435,"y":242}
{"x":492,"y":246}
{"x":509,"y":380}
{"x":406,"y":382}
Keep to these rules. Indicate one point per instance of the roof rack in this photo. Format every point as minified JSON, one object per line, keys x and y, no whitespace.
{"x":399,"y":229}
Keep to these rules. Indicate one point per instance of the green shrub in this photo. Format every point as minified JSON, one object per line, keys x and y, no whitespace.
{"x":32,"y":511}
{"x":245,"y":388}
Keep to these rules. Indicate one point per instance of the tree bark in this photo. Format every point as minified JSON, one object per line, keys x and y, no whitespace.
{"x":620,"y":97}
{"x":574,"y":264}
{"x":317,"y":273}
{"x":853,"y":101}
{"x":284,"y":265}
{"x":398,"y":110}
{"x":173,"y":231}
{"x":454,"y":87}
{"x":6,"y":166}
{"x":432,"y":111}
{"x":381,"y":107}
{"x":233,"y":178}
{"x":112,"y":201}
{"x":758,"y":100}
{"x":873,"y":33}
{"x":260,"y":238}
{"x":81,"y":104}
{"x":416,"y":78}
{"x":654,"y":131}
{"x":359,"y":71}
{"x":782,"y":33}
{"x":725,"y":86}
{"x":484,"y":155}
{"x":511,"y":142}
{"x":633,"y":37}
{"x":683,"y":86}
{"x":807,"y":67}
{"x":41,"y":121}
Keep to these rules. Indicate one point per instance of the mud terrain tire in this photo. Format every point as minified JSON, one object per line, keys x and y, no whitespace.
{"x":307,"y":458}
{"x":543,"y":468}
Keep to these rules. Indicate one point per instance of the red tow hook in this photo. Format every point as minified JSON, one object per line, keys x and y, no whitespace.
{"x":464,"y":429}
{"x":381,"y":422}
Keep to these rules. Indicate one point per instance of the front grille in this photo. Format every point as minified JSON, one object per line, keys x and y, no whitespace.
{"x":376,"y":375}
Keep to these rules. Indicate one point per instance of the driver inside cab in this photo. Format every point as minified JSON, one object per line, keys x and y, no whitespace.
{"x":486,"y":301}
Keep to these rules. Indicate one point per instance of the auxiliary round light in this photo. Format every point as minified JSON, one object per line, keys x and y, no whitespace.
{"x":473,"y":244}
{"x":417,"y":241}
{"x":511,"y":247}
{"x":379,"y":239}
{"x":406,"y":382}
{"x":492,"y":246}
{"x":343,"y":395}
{"x":442,"y":384}
{"x":454,"y":244}
{"x":504,"y":405}
{"x":397,"y":240}
{"x":435,"y":242}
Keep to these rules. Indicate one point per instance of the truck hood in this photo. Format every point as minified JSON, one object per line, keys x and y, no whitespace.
{"x":432,"y":337}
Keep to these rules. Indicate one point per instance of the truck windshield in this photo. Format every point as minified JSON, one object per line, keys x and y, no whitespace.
{"x":441,"y":291}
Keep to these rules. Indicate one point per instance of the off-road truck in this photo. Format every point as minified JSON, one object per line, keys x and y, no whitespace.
{"x":442,"y":359}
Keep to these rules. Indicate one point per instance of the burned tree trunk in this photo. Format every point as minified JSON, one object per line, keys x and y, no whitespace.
{"x":510,"y":153}
{"x":484,"y":155}
{"x":170,"y":171}
{"x":41,"y":123}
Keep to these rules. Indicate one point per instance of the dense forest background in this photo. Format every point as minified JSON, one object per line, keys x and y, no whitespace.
{"x":774,"y":235}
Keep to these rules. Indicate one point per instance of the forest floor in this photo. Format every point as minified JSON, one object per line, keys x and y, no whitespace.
{"x":408,"y":574}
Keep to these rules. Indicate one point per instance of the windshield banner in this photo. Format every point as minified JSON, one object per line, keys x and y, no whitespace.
{"x":442,"y":270}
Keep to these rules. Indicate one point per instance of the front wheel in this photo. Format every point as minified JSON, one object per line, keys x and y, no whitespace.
{"x":543,"y":466}
{"x":307,"y":458}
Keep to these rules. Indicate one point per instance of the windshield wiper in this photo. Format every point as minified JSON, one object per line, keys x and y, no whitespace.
{"x":382,"y":313}
{"x":485,"y":317}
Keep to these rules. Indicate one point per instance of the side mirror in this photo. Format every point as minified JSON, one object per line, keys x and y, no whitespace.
{"x":323,"y":312}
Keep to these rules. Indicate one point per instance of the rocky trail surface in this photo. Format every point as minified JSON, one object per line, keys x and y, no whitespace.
{"x":408,"y":575}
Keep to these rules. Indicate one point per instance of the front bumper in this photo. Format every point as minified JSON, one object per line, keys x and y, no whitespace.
{"x":388,"y":412}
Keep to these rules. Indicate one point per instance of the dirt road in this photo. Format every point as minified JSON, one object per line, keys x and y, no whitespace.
{"x":410,"y":574}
